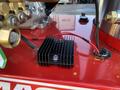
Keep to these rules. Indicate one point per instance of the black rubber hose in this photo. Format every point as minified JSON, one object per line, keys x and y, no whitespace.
{"x":28,"y":42}
{"x":97,"y":23}
{"x":50,"y":7}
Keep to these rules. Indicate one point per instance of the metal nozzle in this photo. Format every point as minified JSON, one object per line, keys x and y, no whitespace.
{"x":9,"y":38}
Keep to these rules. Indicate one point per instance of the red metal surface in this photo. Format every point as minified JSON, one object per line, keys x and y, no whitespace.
{"x":87,"y":71}
{"x":111,"y":41}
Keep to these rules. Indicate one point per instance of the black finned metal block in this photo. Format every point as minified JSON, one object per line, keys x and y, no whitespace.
{"x":56,"y":52}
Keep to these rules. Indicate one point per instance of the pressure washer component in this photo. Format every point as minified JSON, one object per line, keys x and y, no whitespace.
{"x":113,"y":17}
{"x":103,"y":54}
{"x":4,"y":8}
{"x":56,"y":52}
{"x":12,"y":19}
{"x":9,"y":38}
{"x":22,"y":17}
{"x":83,"y":19}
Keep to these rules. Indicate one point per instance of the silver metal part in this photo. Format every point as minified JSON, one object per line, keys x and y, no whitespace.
{"x":55,"y":58}
{"x":13,"y":20}
{"x":14,"y":37}
{"x":28,"y":13}
{"x":22,"y":17}
{"x":32,"y":23}
{"x":37,"y":8}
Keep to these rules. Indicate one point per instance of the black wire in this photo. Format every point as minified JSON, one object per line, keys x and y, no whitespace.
{"x":28,"y":42}
{"x":97,"y":23}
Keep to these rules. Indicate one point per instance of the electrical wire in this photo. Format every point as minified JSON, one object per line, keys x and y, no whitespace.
{"x":31,"y":45}
{"x":28,"y":42}
{"x":68,"y":33}
{"x":96,"y":47}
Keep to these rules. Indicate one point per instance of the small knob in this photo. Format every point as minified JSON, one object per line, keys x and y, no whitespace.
{"x":83,"y":19}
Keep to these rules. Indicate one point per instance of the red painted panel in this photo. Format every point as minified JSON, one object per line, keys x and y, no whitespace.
{"x":22,"y":61}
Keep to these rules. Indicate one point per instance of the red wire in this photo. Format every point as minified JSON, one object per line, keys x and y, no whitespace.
{"x":68,"y":33}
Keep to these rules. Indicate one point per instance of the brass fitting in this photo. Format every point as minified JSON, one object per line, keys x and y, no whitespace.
{"x":21,"y":5}
{"x":16,"y":1}
{"x":9,"y":38}
{"x":13,"y":6}
{"x":9,"y":19}
{"x":12,"y":19}
{"x":22,"y":17}
{"x":113,"y":17}
{"x":4,"y":8}
{"x":20,"y":11}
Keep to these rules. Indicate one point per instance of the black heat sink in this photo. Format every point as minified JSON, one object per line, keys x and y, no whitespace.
{"x":56,"y":52}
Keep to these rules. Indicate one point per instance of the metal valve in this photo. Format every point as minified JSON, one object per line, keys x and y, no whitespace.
{"x":12,"y":19}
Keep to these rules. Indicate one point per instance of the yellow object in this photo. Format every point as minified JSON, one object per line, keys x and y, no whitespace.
{"x":113,"y":17}
{"x":13,"y":6}
{"x":6,"y":36}
{"x":16,"y":1}
{"x":21,"y":5}
{"x":4,"y":8}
